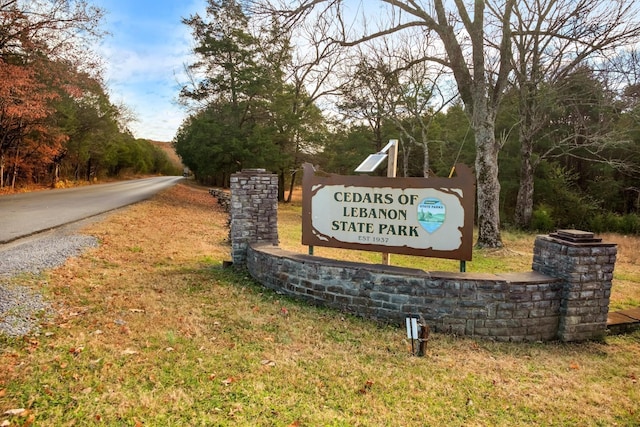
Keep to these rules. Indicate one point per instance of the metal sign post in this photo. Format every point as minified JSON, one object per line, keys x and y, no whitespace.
{"x":390,"y":152}
{"x":412,"y":332}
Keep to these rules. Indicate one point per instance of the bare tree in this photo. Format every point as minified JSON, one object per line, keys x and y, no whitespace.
{"x":389,"y":81}
{"x":552,"y":38}
{"x":476,"y":47}
{"x":364,"y":96}
{"x":310,"y":68}
{"x":420,"y":95}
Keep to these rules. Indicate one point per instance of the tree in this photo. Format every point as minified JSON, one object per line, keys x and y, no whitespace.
{"x":293,"y":115}
{"x":380,"y":91}
{"x":345,"y":149}
{"x":305,"y":73}
{"x":419,"y":97}
{"x":244,"y":92}
{"x":476,"y":44}
{"x":365,"y":96}
{"x":551,"y":40}
{"x":43,"y":44}
{"x":228,"y":93}
{"x":476,"y":40}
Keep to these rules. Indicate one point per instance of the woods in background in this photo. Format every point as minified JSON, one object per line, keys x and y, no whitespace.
{"x":542,"y":99}
{"x":56,"y":119}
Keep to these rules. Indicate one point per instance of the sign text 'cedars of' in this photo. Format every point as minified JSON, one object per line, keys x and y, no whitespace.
{"x":416,"y":216}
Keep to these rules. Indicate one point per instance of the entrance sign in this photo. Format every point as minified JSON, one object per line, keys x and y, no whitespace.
{"x":416,"y":216}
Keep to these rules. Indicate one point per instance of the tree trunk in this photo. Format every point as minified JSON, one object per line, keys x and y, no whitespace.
{"x":281,"y":182}
{"x":56,"y":175}
{"x":524,"y":201}
{"x":425,"y":162}
{"x":88,"y":176}
{"x":488,"y":185}
{"x":406,"y":152}
{"x":292,"y":184}
{"x":15,"y":169}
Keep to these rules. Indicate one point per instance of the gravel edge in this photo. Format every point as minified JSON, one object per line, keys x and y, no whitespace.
{"x":23,"y":309}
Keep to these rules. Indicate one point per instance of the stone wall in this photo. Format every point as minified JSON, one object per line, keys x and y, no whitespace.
{"x":253,"y":211}
{"x":585,"y":266}
{"x":565,"y":297}
{"x":507,"y":307}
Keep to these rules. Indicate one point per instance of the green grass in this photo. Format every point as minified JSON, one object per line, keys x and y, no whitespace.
{"x":167,"y":337}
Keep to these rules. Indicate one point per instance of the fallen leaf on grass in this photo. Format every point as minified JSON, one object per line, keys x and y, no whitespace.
{"x":29,"y":421}
{"x":366,"y":388}
{"x":574,"y":366}
{"x":5,"y":423}
{"x":3,"y":392}
{"x":129,"y":352}
{"x":136,"y":310}
{"x":228,"y":381}
{"x":237,"y":408}
{"x":267,"y":362}
{"x":295,"y":424}
{"x":13,"y":412}
{"x":76,"y":350}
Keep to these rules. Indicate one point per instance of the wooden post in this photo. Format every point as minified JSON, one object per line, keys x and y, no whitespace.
{"x":392,"y":165}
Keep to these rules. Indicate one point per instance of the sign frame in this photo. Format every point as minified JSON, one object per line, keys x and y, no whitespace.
{"x":462,"y":186}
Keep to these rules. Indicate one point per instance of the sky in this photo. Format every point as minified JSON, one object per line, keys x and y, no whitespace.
{"x":144,"y":60}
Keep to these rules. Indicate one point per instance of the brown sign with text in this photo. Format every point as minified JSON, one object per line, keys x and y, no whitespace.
{"x":430,"y":217}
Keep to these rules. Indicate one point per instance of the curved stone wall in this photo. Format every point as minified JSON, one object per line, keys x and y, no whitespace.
{"x":506,"y":307}
{"x":565,"y":297}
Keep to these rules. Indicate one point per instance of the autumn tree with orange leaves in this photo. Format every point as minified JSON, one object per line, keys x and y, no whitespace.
{"x":55,"y":114}
{"x":43,"y":53}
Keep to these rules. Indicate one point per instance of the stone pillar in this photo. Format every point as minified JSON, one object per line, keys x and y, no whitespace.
{"x":585,"y":265}
{"x":253,"y":211}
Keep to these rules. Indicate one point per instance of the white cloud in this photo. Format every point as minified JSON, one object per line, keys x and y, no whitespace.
{"x":145,"y":60}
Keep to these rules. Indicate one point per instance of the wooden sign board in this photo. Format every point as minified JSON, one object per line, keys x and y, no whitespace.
{"x":430,"y":217}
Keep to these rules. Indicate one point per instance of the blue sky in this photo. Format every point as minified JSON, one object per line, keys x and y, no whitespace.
{"x":144,"y":58}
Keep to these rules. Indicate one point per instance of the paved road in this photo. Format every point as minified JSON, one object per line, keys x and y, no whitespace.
{"x":29,"y":213}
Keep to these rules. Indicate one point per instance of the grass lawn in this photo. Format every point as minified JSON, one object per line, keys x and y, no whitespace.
{"x":152,"y":331}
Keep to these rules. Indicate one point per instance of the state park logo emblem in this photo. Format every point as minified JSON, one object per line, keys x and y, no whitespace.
{"x":431,"y":214}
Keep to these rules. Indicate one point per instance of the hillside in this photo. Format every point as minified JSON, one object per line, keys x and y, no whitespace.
{"x":171,"y":153}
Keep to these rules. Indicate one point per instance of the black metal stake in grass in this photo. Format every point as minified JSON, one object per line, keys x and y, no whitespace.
{"x":423,"y":337}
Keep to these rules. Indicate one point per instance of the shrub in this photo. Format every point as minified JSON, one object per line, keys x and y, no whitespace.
{"x":542,"y":219}
{"x":630,"y":224}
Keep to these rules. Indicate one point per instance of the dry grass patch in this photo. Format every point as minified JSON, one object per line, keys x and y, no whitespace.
{"x":153,"y":331}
